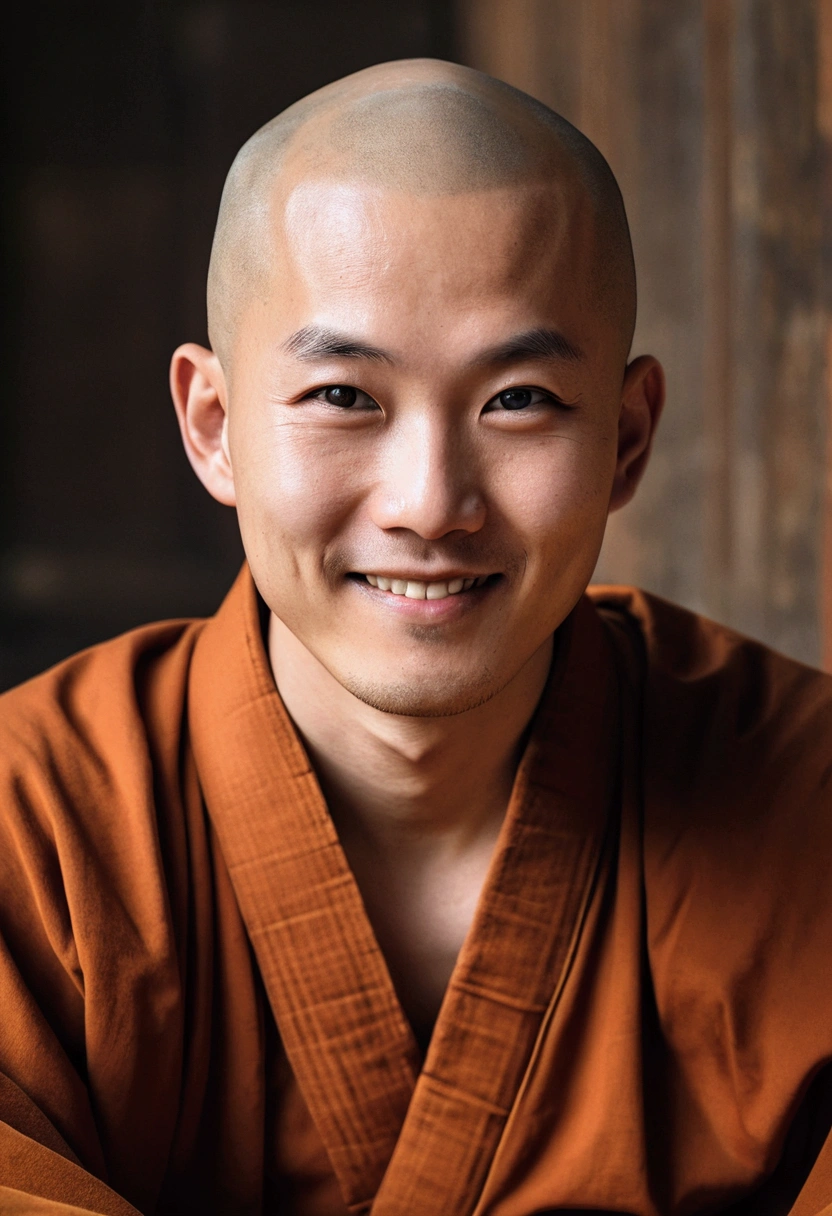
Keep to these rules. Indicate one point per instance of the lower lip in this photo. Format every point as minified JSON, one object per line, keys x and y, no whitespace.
{"x":449,"y":608}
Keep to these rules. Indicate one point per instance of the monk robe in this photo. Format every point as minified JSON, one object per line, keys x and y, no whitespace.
{"x":195,"y":1016}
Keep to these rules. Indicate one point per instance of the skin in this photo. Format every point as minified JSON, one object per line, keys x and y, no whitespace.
{"x":415,"y":712}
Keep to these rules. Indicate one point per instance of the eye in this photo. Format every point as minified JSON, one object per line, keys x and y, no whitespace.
{"x":344,"y":396}
{"x":341,"y":394}
{"x":515,"y":398}
{"x":520,"y":399}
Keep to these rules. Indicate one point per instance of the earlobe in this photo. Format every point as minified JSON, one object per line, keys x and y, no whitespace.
{"x":198,"y":388}
{"x":642,"y":401}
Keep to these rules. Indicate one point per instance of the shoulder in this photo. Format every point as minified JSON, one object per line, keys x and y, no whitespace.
{"x":735,"y":797}
{"x":103,"y":699}
{"x":94,"y":893}
{"x":721,"y":708}
{"x":90,"y":757}
{"x":84,"y":748}
{"x":734,"y":753}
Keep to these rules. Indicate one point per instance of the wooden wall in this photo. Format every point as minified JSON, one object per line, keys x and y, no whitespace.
{"x":716,"y":116}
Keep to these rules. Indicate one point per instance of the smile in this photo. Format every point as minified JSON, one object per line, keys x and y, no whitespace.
{"x":414,"y":589}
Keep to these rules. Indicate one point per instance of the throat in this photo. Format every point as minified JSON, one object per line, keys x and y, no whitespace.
{"x":421,"y":905}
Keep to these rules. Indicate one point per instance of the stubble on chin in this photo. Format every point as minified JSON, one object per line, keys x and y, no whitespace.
{"x":439,"y":697}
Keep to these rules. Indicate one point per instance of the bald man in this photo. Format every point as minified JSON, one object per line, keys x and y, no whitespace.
{"x":418,"y":881}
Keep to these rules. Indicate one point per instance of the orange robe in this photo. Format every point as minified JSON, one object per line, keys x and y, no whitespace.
{"x":195,"y":1015}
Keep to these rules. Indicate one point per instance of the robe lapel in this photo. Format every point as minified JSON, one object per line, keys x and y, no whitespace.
{"x":516,"y":957}
{"x":411,"y":1146}
{"x":343,"y":1030}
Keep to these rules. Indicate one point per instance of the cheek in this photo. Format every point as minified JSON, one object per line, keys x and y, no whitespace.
{"x":295,"y":486}
{"x":557,"y":491}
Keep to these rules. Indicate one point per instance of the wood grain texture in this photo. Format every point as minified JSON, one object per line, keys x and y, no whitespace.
{"x":825,"y":128}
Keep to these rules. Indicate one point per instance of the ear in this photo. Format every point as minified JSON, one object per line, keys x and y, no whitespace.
{"x":198,"y":388}
{"x":642,"y":401}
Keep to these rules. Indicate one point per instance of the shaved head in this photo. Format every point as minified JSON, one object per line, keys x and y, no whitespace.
{"x":420,"y":127}
{"x":421,"y":303}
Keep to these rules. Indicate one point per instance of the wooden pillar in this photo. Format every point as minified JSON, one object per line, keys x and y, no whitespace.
{"x":778,"y":339}
{"x":825,"y":128}
{"x":717,"y":304}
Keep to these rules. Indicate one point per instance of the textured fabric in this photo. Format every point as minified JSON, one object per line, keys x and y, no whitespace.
{"x":195,"y":1015}
{"x":342,"y":1027}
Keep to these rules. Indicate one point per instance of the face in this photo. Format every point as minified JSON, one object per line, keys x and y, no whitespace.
{"x":422,"y":416}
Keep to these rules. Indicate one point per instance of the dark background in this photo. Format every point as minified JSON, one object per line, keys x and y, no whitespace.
{"x":121,"y":122}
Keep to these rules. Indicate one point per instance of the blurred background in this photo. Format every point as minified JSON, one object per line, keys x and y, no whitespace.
{"x":121,"y":121}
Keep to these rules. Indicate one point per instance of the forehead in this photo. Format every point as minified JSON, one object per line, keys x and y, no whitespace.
{"x":360,"y":242}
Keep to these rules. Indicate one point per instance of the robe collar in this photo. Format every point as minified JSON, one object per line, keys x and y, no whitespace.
{"x":403,"y":1135}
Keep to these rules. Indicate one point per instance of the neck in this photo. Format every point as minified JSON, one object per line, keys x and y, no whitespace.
{"x":393,"y":780}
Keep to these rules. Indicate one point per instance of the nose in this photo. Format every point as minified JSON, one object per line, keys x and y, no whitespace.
{"x":427,"y":481}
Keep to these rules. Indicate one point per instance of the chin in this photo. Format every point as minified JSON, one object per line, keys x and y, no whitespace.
{"x":442,"y":697}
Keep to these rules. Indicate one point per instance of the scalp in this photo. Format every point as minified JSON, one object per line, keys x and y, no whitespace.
{"x":432,"y":138}
{"x":422,"y":127}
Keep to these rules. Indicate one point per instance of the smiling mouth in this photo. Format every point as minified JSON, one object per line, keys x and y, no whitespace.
{"x":414,"y":589}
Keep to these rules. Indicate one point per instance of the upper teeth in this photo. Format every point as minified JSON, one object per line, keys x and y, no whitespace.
{"x":415,"y":590}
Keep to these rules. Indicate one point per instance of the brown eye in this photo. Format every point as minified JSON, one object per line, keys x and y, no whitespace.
{"x":341,"y":394}
{"x":515,"y":398}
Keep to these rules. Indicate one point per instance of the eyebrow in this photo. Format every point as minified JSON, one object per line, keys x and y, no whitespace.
{"x":313,"y":342}
{"x":533,"y":344}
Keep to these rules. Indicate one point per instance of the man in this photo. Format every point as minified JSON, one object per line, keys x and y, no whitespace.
{"x":416,"y":880}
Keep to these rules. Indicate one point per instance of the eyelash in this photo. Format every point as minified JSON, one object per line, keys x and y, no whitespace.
{"x":548,"y":398}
